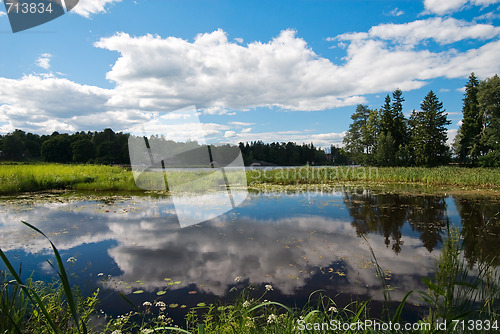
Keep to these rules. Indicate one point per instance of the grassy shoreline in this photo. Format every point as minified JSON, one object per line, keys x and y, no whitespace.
{"x":15,"y":179}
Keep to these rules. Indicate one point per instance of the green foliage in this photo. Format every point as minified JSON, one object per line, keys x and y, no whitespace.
{"x":429,"y":133}
{"x":385,"y":153}
{"x":358,"y":137}
{"x":458,"y":292}
{"x":282,"y":154}
{"x":41,"y":308}
{"x":466,"y":143}
{"x":489,"y":104}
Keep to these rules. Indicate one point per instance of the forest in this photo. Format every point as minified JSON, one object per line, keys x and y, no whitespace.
{"x":108,"y":147}
{"x":384,"y":137}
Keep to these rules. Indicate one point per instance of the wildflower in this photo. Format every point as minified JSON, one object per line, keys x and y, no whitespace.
{"x":71,"y":260}
{"x":100,"y":274}
{"x":160,"y":304}
{"x":237,"y":279}
{"x":161,"y":317}
{"x":146,"y":331}
{"x":272,"y":318}
{"x":269,"y":287}
{"x":246,"y":304}
{"x":146,"y":304}
{"x":333,"y":308}
{"x":117,"y":331}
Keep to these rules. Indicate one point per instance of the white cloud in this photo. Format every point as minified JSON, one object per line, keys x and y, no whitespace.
{"x":170,"y":73}
{"x":154,"y":75}
{"x":299,"y":137}
{"x":396,"y":12}
{"x":240,"y":123}
{"x":441,"y":7}
{"x":488,"y":16}
{"x":442,"y":31}
{"x":46,"y":103}
{"x":87,"y":7}
{"x":2,"y":13}
{"x":44,"y":61}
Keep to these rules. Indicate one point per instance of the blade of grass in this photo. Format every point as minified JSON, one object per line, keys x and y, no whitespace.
{"x":65,"y":282}
{"x":32,"y":295}
{"x":397,"y":315}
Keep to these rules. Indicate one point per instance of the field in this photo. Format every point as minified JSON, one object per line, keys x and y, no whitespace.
{"x":21,"y":178}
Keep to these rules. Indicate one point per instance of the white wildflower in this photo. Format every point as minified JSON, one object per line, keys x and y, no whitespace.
{"x":146,"y":304}
{"x":71,"y":260}
{"x":272,"y":318}
{"x":117,"y":331}
{"x":160,"y":304}
{"x":237,"y":279}
{"x":246,"y":304}
{"x":333,"y":308}
{"x":146,"y":331}
{"x":100,"y":274}
{"x":269,"y":287}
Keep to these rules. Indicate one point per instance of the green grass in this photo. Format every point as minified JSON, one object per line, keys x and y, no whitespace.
{"x":41,"y":177}
{"x":450,"y":176}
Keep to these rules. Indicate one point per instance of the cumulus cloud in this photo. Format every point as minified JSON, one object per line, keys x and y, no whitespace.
{"x":87,"y":7}
{"x":153,"y":72}
{"x":154,"y":75}
{"x":47,"y":103}
{"x":44,"y":61}
{"x":441,"y":7}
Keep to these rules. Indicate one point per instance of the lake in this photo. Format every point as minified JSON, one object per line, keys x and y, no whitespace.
{"x":298,"y":242}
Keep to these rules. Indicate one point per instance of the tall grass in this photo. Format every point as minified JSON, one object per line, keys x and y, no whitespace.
{"x":457,"y":291}
{"x":38,"y":177}
{"x":451,"y":176}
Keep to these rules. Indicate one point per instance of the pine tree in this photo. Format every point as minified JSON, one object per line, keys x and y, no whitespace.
{"x":429,"y":133}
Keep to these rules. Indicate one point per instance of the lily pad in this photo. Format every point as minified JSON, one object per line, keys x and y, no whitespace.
{"x":138,"y":292}
{"x":161,"y":293}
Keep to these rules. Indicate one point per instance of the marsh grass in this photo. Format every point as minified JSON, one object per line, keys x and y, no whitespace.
{"x":40,"y":177}
{"x":451,"y":176}
{"x":461,"y":292}
{"x":45,"y":309}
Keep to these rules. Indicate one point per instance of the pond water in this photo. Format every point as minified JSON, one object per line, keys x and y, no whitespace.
{"x":298,"y":242}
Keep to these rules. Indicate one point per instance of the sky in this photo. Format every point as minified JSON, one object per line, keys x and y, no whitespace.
{"x":255,"y":70}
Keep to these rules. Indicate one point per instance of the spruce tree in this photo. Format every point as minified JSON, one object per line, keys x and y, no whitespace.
{"x":429,"y":133}
{"x":468,"y":148}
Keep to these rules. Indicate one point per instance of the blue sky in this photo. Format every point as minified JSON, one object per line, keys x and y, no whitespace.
{"x":255,"y":70}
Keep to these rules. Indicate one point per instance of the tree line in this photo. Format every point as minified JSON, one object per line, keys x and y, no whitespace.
{"x":384,"y":137}
{"x":108,"y":147}
{"x":100,"y":147}
{"x":282,"y":154}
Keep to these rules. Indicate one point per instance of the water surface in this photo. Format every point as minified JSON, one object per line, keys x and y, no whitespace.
{"x":297,"y":242}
